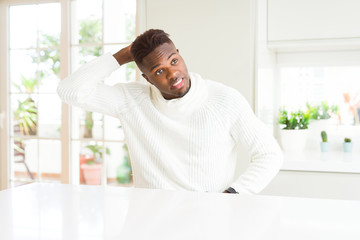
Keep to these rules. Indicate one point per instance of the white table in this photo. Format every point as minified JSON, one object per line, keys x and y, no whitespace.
{"x":55,"y":211}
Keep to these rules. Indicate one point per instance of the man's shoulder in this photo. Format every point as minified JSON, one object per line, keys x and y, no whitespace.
{"x":135,"y":88}
{"x":219,"y":89}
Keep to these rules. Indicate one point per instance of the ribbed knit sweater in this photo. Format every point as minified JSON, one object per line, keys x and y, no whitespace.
{"x":185,"y":143}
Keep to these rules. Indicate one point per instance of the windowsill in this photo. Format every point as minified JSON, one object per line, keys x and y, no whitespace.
{"x":322,"y":162}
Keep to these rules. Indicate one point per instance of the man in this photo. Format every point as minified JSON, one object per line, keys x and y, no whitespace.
{"x":182,"y":131}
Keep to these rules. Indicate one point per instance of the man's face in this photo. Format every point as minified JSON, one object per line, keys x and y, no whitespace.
{"x":166,"y":70}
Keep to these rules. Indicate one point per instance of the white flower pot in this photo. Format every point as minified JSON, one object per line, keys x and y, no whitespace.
{"x":325,"y":146}
{"x":293,"y":140}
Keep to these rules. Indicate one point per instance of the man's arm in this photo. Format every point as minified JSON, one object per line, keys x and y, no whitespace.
{"x":85,"y":87}
{"x":266,"y":155}
{"x":124,"y":55}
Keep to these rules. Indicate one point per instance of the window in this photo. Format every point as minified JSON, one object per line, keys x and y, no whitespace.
{"x":99,"y":27}
{"x":318,"y":80}
{"x":34,"y":113}
{"x":34,"y":68}
{"x":325,"y":86}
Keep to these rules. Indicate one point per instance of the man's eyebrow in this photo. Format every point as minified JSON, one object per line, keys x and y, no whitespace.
{"x":171,"y":55}
{"x":153,"y":67}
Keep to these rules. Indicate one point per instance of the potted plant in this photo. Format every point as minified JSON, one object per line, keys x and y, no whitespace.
{"x":347,"y":145}
{"x":324,"y":145}
{"x":123,"y":172}
{"x":321,"y":111}
{"x":294,"y":129}
{"x":93,"y":167}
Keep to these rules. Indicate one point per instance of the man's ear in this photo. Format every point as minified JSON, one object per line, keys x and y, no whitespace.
{"x":146,"y":77}
{"x":177,"y":50}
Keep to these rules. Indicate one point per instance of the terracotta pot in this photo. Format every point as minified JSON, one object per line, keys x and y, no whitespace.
{"x":92,"y":173}
{"x":83,"y":159}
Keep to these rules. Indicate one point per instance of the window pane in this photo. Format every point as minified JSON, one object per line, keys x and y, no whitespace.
{"x":49,"y":70}
{"x":86,"y":125}
{"x":113,"y":129}
{"x":49,"y":116}
{"x":23,"y":71}
{"x":24,"y":114}
{"x":337,"y":86}
{"x":50,"y":160}
{"x":24,"y":162}
{"x":330,"y":96}
{"x":119,"y":21}
{"x":82,"y":55}
{"x":23,"y":26}
{"x":90,"y":159}
{"x":86,"y":23}
{"x":118,"y":167}
{"x":49,"y":25}
{"x":126,"y":73}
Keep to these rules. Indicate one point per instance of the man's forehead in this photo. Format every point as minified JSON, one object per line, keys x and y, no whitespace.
{"x":158,"y":54}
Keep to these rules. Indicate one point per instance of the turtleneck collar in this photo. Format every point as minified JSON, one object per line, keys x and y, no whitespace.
{"x":191,"y":101}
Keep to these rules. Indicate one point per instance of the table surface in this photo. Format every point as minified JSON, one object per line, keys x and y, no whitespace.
{"x":57,"y":211}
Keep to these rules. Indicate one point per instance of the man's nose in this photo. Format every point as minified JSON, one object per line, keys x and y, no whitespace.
{"x":173,"y":75}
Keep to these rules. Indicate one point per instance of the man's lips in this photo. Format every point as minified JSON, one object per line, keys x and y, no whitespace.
{"x":178,"y":83}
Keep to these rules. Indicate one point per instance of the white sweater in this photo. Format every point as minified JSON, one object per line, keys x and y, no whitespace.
{"x":185,"y":143}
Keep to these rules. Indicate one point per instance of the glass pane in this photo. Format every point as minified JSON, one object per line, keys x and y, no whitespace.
{"x":49,"y":24}
{"x":119,"y":21}
{"x":49,"y":69}
{"x":24,"y":162}
{"x":113,"y":129}
{"x":82,"y":55}
{"x":90,"y":157}
{"x":86,"y":25}
{"x":23,"y":26}
{"x":330,"y":96}
{"x":324,"y":91}
{"x":49,"y":116}
{"x":125,"y":73}
{"x":118,"y":167}
{"x":24,"y":114}
{"x":50,"y":160}
{"x":86,"y":125}
{"x":23,"y":69}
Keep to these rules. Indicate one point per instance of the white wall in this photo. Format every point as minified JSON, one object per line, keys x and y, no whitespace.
{"x":215,"y":37}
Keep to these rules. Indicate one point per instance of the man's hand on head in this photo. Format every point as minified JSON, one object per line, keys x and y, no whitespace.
{"x":124,"y":56}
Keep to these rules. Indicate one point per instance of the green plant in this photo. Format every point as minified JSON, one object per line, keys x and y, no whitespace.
{"x":294,"y":120}
{"x":27,"y":84}
{"x":26,"y":116}
{"x":321,"y":111}
{"x":323,"y":136}
{"x":89,"y":123}
{"x":97,"y":152}
{"x":347,"y":140}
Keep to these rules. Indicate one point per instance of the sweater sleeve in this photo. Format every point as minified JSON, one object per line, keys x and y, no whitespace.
{"x":265,"y":154}
{"x":85,"y":88}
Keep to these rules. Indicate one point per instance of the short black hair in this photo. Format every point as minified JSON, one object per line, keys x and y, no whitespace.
{"x":147,"y":42}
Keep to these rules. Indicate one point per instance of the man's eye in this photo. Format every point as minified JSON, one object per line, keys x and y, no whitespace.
{"x":158,"y":72}
{"x":174,"y":61}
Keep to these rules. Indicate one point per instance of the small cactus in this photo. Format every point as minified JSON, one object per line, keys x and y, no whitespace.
{"x":347,"y":140}
{"x":324,"y":136}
